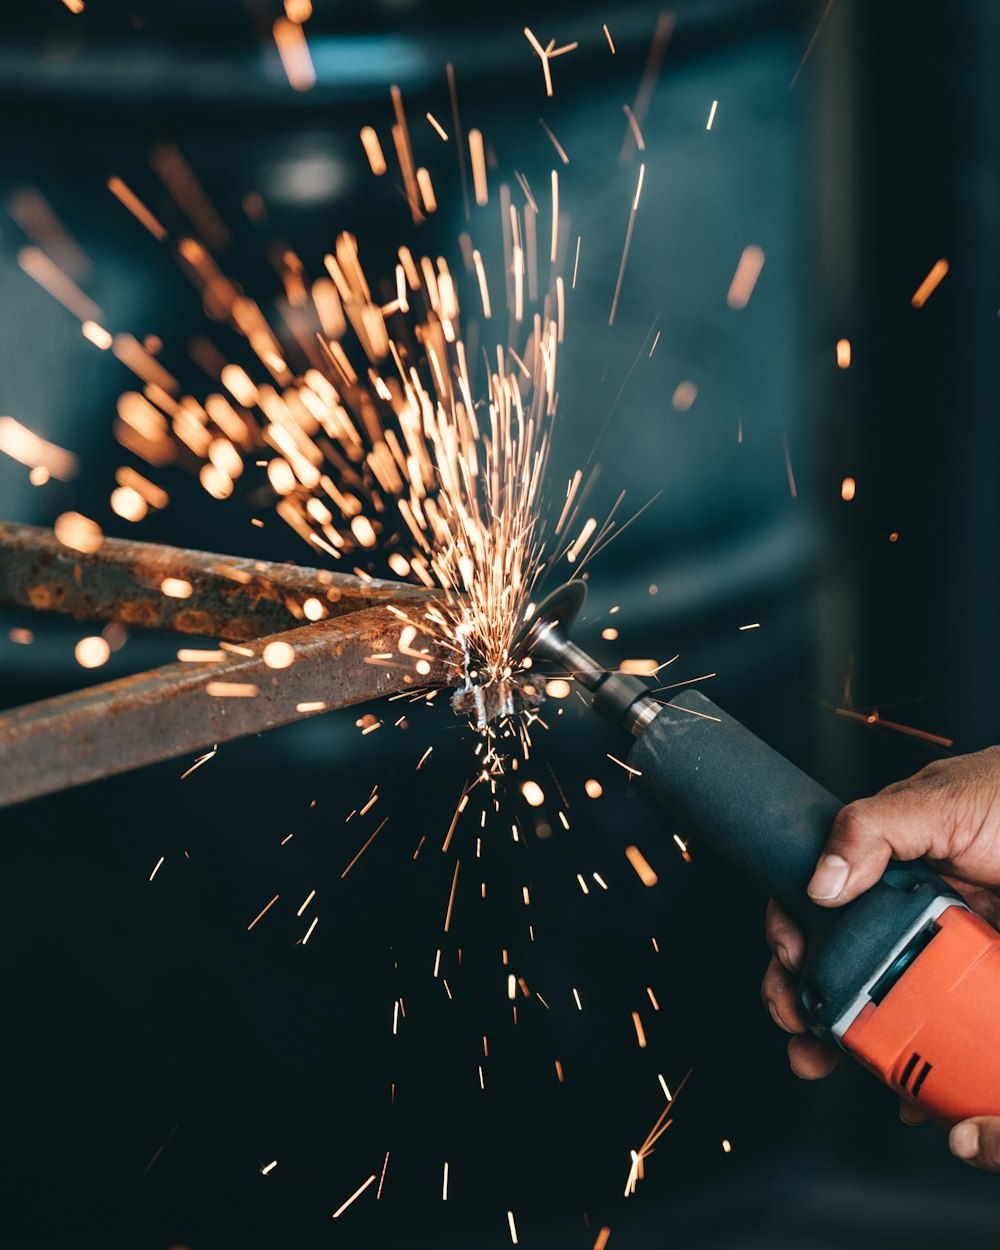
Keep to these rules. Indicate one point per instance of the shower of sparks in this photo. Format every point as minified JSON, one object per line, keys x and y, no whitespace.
{"x":663,"y":1122}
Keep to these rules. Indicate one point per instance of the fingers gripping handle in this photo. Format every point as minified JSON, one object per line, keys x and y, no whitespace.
{"x":755,"y":808}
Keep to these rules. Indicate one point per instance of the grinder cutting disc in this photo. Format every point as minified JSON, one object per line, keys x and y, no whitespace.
{"x":558,"y":610}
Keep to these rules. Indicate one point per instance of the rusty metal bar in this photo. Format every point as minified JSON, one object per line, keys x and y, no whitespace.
{"x":177,"y":710}
{"x":230,"y":598}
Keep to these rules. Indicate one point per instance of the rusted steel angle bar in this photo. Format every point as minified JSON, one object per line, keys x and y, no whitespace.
{"x":183,"y":708}
{"x":230,"y":598}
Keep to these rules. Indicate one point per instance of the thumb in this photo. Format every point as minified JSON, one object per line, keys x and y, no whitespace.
{"x":865,"y":836}
{"x":977,"y":1141}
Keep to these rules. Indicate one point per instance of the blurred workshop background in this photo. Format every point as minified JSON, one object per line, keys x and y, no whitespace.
{"x":157,"y":1056}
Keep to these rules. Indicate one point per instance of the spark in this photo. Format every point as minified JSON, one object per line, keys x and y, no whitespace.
{"x":381,"y":1179}
{"x":593,"y":788}
{"x":576,"y":998}
{"x":640,"y":142}
{"x":848,"y":489}
{"x":607,"y":35}
{"x":437,"y":126}
{"x":576,"y":262}
{"x":309,"y":898}
{"x":873,"y":718}
{"x":293,"y":49}
{"x":79,"y":533}
{"x":752,"y":625}
{"x":277,"y":655}
{"x":684,"y":396}
{"x":751,"y":262}
{"x":727,"y":1145}
{"x":126,"y":196}
{"x":97,"y":335}
{"x":364,"y":848}
{"x":639,"y":1031}
{"x":373,"y":150}
{"x":23,"y":637}
{"x":546,"y":54}
{"x":513,"y":1229}
{"x":477,"y":155}
{"x":788,"y":467}
{"x":929,"y":285}
{"x":555,"y":142}
{"x":451,"y":896}
{"x":811,"y":44}
{"x":603,"y":1237}
{"x":641,"y":865}
{"x":533,"y":793}
{"x":176,"y":588}
{"x":202,"y":759}
{"x":262,"y":913}
{"x":444,"y":1183}
{"x":650,"y":75}
{"x":655,"y":341}
{"x":711,"y":115}
{"x":843,"y":353}
{"x":652,"y":998}
{"x":35,"y":452}
{"x":308,"y":933}
{"x":232,"y":689}
{"x":92,"y":652}
{"x":355,"y":1196}
{"x":159,"y":864}
{"x":628,"y":244}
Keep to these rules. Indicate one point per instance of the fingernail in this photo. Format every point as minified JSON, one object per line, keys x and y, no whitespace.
{"x":784,"y":958}
{"x":829,"y":878}
{"x":964,"y":1141}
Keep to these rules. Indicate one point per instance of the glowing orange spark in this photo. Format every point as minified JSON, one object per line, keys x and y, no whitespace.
{"x":751,"y":262}
{"x":263,"y":913}
{"x":929,"y":285}
{"x":357,"y":1194}
{"x":126,"y":196}
{"x":293,"y":49}
{"x":641,"y":865}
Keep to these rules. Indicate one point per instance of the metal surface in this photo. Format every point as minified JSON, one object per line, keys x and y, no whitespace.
{"x":98,"y":732}
{"x":230,"y":597}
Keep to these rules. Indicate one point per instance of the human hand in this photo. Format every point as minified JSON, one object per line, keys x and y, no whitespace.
{"x":948,"y":814}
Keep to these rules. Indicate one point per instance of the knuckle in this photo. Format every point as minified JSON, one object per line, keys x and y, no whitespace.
{"x":853,"y":821}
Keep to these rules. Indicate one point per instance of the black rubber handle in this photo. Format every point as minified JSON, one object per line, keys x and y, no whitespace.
{"x":755,"y":808}
{"x":771,"y":822}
